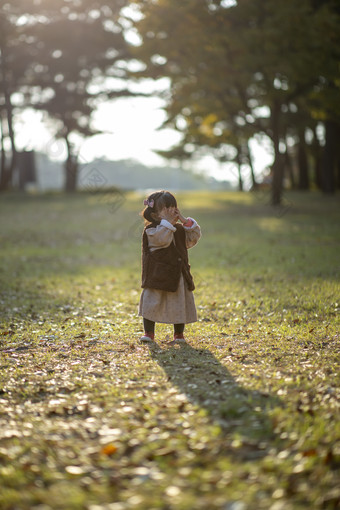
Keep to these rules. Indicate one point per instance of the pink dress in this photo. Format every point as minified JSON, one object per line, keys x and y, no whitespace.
{"x":169,"y":307}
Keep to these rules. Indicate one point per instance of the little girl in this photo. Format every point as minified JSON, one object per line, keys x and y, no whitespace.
{"x":166,"y":279}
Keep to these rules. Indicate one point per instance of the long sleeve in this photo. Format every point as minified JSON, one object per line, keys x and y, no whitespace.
{"x":163,"y":235}
{"x":160,"y":236}
{"x":193,"y":233}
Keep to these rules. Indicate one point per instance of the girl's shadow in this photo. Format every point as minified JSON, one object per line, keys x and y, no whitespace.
{"x":238,"y":411}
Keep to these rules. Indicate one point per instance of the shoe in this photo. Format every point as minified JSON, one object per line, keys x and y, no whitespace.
{"x":147,"y":337}
{"x":178,"y":337}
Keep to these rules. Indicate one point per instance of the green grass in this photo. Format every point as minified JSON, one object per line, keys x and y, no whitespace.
{"x":246,"y":416}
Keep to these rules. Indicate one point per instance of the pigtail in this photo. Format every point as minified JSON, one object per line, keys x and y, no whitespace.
{"x":149,"y":213}
{"x":154,"y":203}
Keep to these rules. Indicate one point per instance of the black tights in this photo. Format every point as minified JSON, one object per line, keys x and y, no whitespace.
{"x":149,"y":326}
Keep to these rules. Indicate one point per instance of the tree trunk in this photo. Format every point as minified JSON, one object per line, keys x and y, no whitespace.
{"x":317,"y":160}
{"x":303,"y":162}
{"x":278,"y":165}
{"x":337,"y":160}
{"x":289,"y":166}
{"x":7,"y":171}
{"x":238,"y":161}
{"x":251,"y":166}
{"x":318,"y":170}
{"x":71,"y":169}
{"x":3,"y":154}
{"x":328,"y":163}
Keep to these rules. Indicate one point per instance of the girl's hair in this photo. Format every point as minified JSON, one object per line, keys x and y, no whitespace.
{"x":156,"y":202}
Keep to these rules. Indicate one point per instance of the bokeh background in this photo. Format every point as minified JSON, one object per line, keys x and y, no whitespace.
{"x":231,"y":94}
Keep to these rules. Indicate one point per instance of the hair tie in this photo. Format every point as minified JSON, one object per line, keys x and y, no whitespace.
{"x":148,"y":202}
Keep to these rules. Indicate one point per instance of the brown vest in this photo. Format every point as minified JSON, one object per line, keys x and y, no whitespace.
{"x":162,"y":268}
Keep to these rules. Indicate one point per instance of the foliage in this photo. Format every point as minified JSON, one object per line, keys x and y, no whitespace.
{"x":80,"y":45}
{"x":74,"y":55}
{"x":14,"y":63}
{"x":242,"y":68}
{"x":246,"y":416}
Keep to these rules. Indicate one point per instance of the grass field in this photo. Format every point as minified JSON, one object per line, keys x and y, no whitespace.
{"x":246,"y":416}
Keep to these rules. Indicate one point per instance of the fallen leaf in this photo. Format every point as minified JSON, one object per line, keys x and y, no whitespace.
{"x":309,"y":453}
{"x":7,"y":332}
{"x":109,"y":449}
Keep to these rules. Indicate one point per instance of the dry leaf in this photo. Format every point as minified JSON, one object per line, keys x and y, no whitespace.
{"x":309,"y":453}
{"x":109,"y":449}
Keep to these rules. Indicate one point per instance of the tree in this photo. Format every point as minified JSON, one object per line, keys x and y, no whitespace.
{"x":325,"y":103}
{"x":243,"y":64}
{"x":79,"y":62}
{"x":75,"y":56}
{"x":14,"y":63}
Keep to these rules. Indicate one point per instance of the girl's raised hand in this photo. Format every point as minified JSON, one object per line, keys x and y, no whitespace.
{"x":180,"y":216}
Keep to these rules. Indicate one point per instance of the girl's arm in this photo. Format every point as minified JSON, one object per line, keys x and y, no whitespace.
{"x":193,"y":233}
{"x":160,"y":236}
{"x":192,"y":229}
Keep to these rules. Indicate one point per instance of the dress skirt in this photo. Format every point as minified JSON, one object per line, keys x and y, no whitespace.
{"x":168,"y":307}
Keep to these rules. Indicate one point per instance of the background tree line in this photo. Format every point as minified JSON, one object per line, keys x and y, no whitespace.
{"x":61,"y":58}
{"x":237,"y":70}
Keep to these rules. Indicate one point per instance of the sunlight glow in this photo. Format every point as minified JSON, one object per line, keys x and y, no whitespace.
{"x":130,"y":130}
